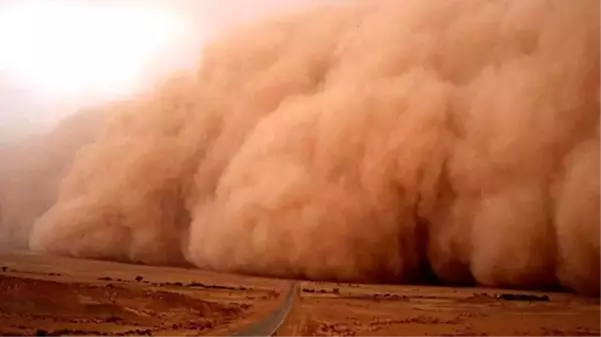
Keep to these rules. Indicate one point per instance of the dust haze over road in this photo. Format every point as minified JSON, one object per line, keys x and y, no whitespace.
{"x":363,"y":141}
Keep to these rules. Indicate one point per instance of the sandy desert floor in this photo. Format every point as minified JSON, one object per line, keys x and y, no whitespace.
{"x":42,"y":295}
{"x":347,"y":310}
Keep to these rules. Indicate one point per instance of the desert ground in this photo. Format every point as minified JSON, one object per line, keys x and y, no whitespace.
{"x":49,"y":295}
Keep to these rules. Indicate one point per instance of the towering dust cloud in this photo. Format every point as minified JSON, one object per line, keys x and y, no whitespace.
{"x":369,"y":141}
{"x":31,"y":170}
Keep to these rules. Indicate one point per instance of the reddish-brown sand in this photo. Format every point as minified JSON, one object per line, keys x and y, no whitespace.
{"x":63,"y":296}
{"x":363,"y":310}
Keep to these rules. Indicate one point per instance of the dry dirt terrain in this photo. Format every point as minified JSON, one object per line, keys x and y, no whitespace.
{"x":347,"y":310}
{"x":61,"y":296}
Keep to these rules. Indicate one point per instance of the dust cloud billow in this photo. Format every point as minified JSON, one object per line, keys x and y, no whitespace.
{"x":31,"y":170}
{"x":375,"y":141}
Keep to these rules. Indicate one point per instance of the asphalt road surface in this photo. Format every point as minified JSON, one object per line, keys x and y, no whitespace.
{"x":270,"y":324}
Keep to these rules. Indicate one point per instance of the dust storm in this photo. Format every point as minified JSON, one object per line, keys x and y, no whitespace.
{"x":372,"y":141}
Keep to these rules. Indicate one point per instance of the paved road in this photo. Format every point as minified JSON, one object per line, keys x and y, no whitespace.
{"x":270,"y":324}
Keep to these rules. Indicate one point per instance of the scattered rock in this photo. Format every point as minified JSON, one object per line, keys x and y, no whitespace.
{"x":200,"y":325}
{"x":4,"y":269}
{"x":104,"y":279}
{"x":524,"y":297}
{"x":113,"y":319}
{"x":196,"y":285}
{"x":136,"y":332}
{"x":139,"y":278}
{"x":41,"y":332}
{"x":335,"y":291}
{"x":75,"y":332}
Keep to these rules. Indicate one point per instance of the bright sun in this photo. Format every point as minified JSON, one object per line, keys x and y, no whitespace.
{"x":68,"y":48}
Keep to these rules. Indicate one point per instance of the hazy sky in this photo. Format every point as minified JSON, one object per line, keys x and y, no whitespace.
{"x":57,"y":55}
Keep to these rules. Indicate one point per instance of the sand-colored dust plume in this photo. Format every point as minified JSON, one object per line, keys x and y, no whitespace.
{"x":31,"y":171}
{"x":364,"y":141}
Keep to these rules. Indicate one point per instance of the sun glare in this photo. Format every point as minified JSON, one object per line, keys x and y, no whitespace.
{"x":67,"y":48}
